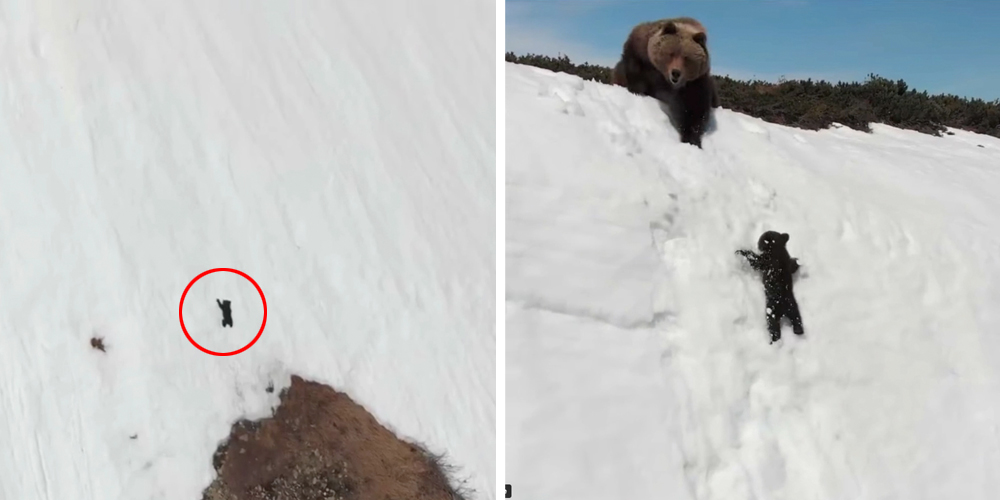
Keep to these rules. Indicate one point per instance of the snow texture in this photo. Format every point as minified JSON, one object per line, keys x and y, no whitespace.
{"x":638,"y":363}
{"x":340,"y":153}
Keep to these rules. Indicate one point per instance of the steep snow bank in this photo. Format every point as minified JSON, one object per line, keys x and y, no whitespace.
{"x":638,"y":364}
{"x":351,"y":175}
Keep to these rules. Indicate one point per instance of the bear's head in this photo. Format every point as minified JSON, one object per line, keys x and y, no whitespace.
{"x":772,"y":241}
{"x":679,"y":50}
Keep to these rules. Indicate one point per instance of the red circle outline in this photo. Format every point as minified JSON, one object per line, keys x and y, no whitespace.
{"x":262,"y":299}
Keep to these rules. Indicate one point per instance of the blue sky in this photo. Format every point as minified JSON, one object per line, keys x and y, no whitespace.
{"x":942,"y":46}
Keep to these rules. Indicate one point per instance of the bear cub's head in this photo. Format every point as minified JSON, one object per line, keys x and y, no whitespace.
{"x":772,"y":241}
{"x":679,"y":51}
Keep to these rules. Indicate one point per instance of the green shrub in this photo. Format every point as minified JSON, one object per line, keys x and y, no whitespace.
{"x":816,"y":105}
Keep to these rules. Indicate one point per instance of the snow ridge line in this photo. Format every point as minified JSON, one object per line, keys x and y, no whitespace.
{"x":540,"y":304}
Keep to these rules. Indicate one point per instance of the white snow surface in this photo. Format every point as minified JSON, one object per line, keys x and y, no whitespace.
{"x":340,"y":153}
{"x":638,"y":362}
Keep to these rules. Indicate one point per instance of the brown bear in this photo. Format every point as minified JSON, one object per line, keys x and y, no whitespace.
{"x":668,"y":60}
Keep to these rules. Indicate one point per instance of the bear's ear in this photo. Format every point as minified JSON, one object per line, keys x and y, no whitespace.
{"x":700,"y":39}
{"x":784,"y":236}
{"x":669,"y":29}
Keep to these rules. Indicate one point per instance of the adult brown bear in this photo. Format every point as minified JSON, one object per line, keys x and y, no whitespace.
{"x":776,"y":268}
{"x":668,"y":60}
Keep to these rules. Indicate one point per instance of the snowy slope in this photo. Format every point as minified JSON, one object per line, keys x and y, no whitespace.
{"x":638,"y":363}
{"x":350,"y":173}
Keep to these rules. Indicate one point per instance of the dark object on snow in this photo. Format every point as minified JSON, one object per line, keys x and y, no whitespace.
{"x":776,"y":268}
{"x":227,"y":315}
{"x":97,"y":343}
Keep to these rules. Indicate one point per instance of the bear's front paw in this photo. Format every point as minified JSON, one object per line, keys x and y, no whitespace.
{"x":693,"y":140}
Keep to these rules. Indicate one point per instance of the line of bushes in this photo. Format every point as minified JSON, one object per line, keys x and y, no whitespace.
{"x":816,"y":105}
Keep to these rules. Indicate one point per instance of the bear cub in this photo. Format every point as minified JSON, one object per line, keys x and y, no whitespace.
{"x":227,"y":313}
{"x":668,"y":60}
{"x":776,"y":268}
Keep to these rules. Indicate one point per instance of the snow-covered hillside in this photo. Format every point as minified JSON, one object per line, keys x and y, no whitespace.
{"x":340,"y":153}
{"x":638,"y":363}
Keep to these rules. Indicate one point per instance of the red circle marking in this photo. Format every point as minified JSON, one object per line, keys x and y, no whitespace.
{"x":262,"y":323}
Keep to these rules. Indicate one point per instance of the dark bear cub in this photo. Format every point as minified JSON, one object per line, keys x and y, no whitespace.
{"x":227,"y":313}
{"x":776,"y":268}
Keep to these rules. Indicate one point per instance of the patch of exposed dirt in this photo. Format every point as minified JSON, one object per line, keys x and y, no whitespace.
{"x":321,"y":445}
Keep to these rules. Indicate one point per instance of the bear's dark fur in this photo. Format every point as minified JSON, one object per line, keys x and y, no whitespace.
{"x":777,"y":268}
{"x":227,"y":313}
{"x":680,"y":46}
{"x":690,"y":108}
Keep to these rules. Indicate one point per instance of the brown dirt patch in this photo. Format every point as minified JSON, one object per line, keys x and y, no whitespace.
{"x":321,"y":445}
